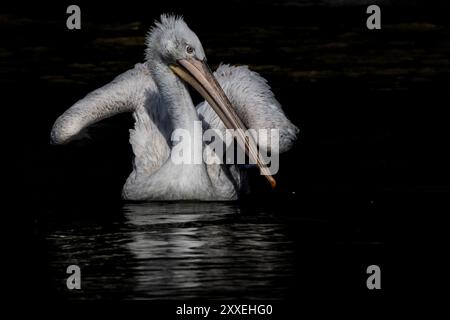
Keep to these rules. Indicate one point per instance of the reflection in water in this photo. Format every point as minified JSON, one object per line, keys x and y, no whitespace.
{"x":178,"y":250}
{"x":201,"y":249}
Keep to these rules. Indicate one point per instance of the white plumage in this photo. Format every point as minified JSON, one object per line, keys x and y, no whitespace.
{"x":160,"y":103}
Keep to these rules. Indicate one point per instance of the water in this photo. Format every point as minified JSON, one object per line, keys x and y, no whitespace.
{"x":336,"y":81}
{"x":256,"y":249}
{"x":176,"y":250}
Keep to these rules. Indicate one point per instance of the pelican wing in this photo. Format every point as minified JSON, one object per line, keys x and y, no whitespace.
{"x":124,"y":94}
{"x":254,"y":102}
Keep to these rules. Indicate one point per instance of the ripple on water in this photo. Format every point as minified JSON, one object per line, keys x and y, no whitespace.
{"x":176,"y":250}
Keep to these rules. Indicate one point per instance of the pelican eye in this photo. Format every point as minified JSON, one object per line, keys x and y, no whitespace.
{"x":189,"y":49}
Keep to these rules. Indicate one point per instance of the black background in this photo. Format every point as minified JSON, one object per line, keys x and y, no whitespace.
{"x":371,"y":107}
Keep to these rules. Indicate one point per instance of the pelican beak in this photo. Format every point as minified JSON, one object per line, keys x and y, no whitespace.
{"x":198,"y":74}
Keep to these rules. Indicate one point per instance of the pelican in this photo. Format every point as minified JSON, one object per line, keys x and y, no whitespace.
{"x":156,"y":93}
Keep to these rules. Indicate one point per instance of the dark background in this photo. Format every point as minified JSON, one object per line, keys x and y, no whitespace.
{"x":370,"y":104}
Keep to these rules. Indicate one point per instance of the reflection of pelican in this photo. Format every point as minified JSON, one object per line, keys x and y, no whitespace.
{"x":159,"y":99}
{"x":206,"y":250}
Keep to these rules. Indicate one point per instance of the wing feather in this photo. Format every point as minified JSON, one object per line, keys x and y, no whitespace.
{"x":254,"y":102}
{"x":124,"y":94}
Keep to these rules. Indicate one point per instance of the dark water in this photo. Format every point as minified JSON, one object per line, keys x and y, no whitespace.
{"x":368,"y":105}
{"x":176,"y":250}
{"x":251,"y":250}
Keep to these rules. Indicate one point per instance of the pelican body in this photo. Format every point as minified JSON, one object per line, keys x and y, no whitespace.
{"x":156,"y":92}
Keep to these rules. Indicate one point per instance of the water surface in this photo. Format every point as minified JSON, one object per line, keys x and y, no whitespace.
{"x":175,"y":250}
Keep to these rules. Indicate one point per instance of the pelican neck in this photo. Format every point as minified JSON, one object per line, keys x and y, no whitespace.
{"x":176,"y":98}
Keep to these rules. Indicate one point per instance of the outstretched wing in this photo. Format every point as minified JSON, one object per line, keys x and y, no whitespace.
{"x":254,"y":102}
{"x":124,"y":94}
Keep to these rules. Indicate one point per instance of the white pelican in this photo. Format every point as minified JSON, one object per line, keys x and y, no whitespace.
{"x":156,"y":93}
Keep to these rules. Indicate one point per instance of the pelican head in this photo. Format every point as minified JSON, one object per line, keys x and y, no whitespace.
{"x":171,"y":40}
{"x":171,"y":43}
